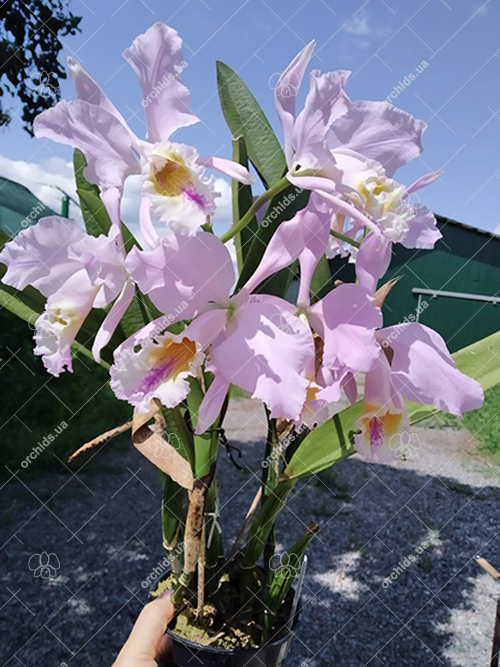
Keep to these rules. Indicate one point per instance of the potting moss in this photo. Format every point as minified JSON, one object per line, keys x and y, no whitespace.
{"x":213,"y":631}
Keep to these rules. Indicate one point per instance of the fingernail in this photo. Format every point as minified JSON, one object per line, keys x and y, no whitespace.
{"x":166,"y":595}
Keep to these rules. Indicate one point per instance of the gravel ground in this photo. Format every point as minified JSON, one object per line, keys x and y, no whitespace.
{"x":102,"y":527}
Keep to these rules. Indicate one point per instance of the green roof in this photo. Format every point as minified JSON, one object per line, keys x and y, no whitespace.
{"x":19,"y":207}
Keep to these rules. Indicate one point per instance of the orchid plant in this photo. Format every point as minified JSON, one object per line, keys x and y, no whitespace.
{"x":178,"y":324}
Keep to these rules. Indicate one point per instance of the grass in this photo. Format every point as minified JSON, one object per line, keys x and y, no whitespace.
{"x":483,"y":424}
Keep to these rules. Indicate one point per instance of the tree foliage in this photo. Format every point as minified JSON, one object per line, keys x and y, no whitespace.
{"x":31,"y":38}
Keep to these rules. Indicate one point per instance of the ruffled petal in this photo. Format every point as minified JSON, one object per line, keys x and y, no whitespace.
{"x":286,"y":94}
{"x":104,"y":260}
{"x":325,"y":102}
{"x":346,"y":320}
{"x":380,"y":131}
{"x":264,"y":352}
{"x":57,"y":327}
{"x":155,"y":365}
{"x":88,"y":90}
{"x":304,"y":236}
{"x":38,"y":255}
{"x":106,"y":144}
{"x":328,"y":189}
{"x":180,"y":193}
{"x":423,"y":231}
{"x":156,"y":58}
{"x":184,"y":274}
{"x":424,"y":372}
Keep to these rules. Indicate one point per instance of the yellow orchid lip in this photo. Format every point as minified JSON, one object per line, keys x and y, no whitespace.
{"x":175,"y":356}
{"x":166,"y":361}
{"x":169,"y":175}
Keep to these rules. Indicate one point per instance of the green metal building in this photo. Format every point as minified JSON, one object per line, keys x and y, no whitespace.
{"x":455,"y":288}
{"x":19,"y":208}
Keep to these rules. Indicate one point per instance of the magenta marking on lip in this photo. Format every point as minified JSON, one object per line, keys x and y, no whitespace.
{"x":155,"y":377}
{"x":376,"y":436}
{"x":196,"y":198}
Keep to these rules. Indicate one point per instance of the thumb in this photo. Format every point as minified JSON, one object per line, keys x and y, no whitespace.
{"x":147,"y":639}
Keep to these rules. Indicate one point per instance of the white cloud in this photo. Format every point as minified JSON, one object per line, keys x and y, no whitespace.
{"x":358,"y":25}
{"x":43,"y":180}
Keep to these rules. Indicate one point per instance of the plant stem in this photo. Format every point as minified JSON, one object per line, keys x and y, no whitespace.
{"x":193,"y":533}
{"x":340,"y":430}
{"x":184,"y":432}
{"x":275,"y":189}
{"x":344,"y":238}
{"x":201,"y":574}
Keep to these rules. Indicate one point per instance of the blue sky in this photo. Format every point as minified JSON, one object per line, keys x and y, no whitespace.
{"x":458,"y":93}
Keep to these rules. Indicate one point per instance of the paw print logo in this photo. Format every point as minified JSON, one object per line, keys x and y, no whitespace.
{"x":160,"y":450}
{"x":405,"y":445}
{"x":410,"y":205}
{"x":287,"y":87}
{"x":43,"y":82}
{"x":44,"y":565}
{"x":285,"y":564}
{"x":280,"y":321}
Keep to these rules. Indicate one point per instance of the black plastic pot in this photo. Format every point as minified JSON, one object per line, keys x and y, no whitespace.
{"x":190,"y":654}
{"x":186,"y":653}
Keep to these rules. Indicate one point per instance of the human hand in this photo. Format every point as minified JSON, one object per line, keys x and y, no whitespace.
{"x":147,"y":642}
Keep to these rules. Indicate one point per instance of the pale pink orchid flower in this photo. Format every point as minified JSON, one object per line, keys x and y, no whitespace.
{"x":345,"y":319}
{"x":175,"y":187}
{"x":412,"y":363}
{"x":353,"y":150}
{"x":76,"y":272}
{"x":254,"y":341}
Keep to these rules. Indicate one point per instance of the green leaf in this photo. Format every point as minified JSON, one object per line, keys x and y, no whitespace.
{"x":215,"y":561}
{"x":205,"y":445}
{"x":242,"y":199}
{"x":245,"y":118}
{"x":325,"y":445}
{"x":95,"y":214}
{"x":264,"y":522}
{"x":284,"y":578}
{"x":321,"y":282}
{"x":172,"y":510}
{"x":135,"y":317}
{"x":481,"y":360}
{"x":27,"y":308}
